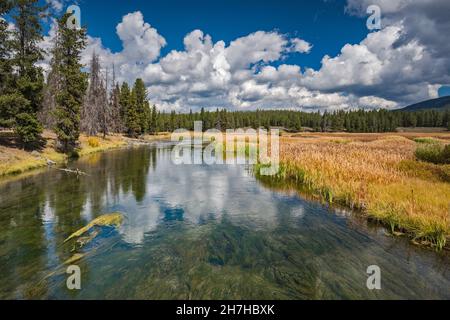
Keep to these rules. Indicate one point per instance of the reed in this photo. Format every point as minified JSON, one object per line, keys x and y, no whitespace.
{"x":377,"y":177}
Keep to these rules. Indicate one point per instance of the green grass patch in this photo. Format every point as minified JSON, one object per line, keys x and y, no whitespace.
{"x":434,"y":153}
{"x":426,"y":140}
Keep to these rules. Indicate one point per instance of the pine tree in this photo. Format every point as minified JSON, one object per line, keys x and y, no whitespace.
{"x":147,"y":116}
{"x":9,"y":104}
{"x":172,"y":123}
{"x":124,"y":101}
{"x":133,"y":119}
{"x":155,"y":121}
{"x":117,"y":120}
{"x":218,"y":120}
{"x":28,"y":81}
{"x":7,"y":109}
{"x":142,"y":106}
{"x":5,"y":50}
{"x":73,"y":85}
{"x":25,"y":44}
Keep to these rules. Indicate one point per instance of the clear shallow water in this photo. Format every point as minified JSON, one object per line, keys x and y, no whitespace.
{"x":196,"y":232}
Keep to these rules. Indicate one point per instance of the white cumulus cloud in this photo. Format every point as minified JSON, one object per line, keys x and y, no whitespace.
{"x":399,"y":64}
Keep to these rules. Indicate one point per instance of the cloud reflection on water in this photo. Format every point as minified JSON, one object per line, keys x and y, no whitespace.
{"x":199,"y":192}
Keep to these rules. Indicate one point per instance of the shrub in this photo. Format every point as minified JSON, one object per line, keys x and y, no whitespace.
{"x":28,"y":128}
{"x":446,"y":154}
{"x":434,"y":153}
{"x":425,"y":140}
{"x":93,"y":142}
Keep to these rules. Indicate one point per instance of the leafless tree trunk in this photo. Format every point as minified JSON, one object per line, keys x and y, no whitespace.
{"x":53,"y":86}
{"x":105,"y":111}
{"x":94,"y":116}
{"x":117,"y":125}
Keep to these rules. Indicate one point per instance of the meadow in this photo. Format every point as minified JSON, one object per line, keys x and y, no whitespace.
{"x":379,"y":175}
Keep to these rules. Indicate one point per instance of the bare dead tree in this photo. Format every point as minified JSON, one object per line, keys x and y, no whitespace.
{"x":95,"y":105}
{"x":46,"y":116}
{"x":105,"y":110}
{"x":117,"y":125}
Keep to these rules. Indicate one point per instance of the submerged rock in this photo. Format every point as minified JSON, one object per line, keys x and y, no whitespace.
{"x":82,"y":241}
{"x":108,"y":220}
{"x":74,"y":258}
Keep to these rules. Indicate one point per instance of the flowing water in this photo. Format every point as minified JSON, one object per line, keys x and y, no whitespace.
{"x":195,"y":232}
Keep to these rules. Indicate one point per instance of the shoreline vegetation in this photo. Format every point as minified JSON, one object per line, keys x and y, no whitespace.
{"x":15,"y":161}
{"x":378,"y":175}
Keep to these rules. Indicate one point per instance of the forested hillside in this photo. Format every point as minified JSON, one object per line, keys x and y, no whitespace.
{"x":439,"y":104}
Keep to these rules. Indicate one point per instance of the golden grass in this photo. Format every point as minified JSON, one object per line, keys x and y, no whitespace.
{"x":90,"y":145}
{"x":378,"y":175}
{"x":16,"y":161}
{"x":366,"y":137}
{"x":93,"y":142}
{"x":157,"y":137}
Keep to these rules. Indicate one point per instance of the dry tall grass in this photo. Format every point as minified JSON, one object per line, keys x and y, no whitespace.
{"x":15,"y":161}
{"x":379,"y":176}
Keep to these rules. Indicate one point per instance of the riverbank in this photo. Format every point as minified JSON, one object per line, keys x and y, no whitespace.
{"x":194,"y":232}
{"x":377,"y":174}
{"x":14,"y":160}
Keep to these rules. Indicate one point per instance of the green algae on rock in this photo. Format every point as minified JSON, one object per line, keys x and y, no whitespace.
{"x":112,"y":219}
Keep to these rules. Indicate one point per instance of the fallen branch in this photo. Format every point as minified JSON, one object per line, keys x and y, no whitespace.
{"x":78,"y":172}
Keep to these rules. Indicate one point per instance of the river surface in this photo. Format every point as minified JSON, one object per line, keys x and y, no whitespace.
{"x":196,"y":232}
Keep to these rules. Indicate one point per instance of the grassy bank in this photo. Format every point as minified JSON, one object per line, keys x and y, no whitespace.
{"x":14,"y":160}
{"x":377,"y":174}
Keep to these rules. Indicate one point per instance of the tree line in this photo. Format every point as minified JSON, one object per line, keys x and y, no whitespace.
{"x":350,"y":121}
{"x":70,"y":101}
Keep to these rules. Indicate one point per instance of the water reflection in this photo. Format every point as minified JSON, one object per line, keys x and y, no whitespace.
{"x":195,"y":193}
{"x":195,"y":232}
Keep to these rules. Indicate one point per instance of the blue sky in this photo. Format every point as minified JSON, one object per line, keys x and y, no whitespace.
{"x":248,"y":54}
{"x":325,"y":24}
{"x":444,"y":91}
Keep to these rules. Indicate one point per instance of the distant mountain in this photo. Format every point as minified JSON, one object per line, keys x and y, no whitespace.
{"x":442,"y":103}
